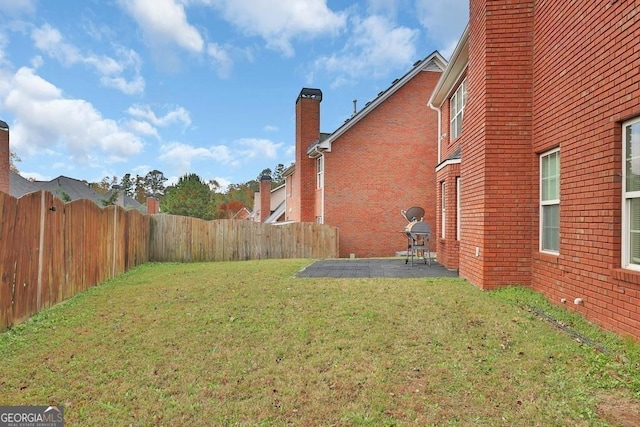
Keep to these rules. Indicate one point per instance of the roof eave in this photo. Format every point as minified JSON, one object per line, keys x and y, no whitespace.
{"x":457,"y":65}
{"x":435,"y":57}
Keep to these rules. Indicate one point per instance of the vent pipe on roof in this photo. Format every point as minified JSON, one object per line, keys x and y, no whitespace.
{"x":355,"y":109}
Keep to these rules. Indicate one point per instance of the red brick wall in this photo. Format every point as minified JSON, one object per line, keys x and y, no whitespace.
{"x":383,"y":164}
{"x":587,"y":82}
{"x":496,"y":145}
{"x":304,"y":178}
{"x":4,"y":161}
{"x":448,"y":247}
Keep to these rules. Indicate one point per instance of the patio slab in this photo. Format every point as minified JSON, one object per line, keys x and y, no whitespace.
{"x":375,"y":267}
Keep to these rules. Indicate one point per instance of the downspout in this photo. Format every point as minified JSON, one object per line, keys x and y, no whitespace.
{"x":439,"y":130}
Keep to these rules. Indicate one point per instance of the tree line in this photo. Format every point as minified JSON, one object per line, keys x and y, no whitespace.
{"x":190,"y":196}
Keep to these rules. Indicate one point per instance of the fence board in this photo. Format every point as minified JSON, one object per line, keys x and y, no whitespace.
{"x":50,"y":251}
{"x":183,"y":239}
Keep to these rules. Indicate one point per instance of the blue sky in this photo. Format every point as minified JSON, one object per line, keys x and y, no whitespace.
{"x":95,"y":88}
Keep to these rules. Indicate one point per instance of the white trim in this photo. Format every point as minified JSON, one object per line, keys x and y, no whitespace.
{"x":626,"y":198}
{"x":457,"y":64}
{"x":447,"y":163}
{"x":439,"y":111}
{"x":458,"y":209}
{"x":550,"y":202}
{"x":432,"y":62}
{"x":456,"y":116}
{"x":443,"y":209}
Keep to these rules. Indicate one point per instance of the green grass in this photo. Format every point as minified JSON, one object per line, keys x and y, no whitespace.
{"x":246,"y":343}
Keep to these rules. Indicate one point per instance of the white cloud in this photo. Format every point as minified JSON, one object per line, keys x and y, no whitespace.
{"x":18,"y":6}
{"x":260,"y":148}
{"x":444,"y":20}
{"x":50,"y":41}
{"x":181,"y":155}
{"x":179,"y":114}
{"x":142,"y":128}
{"x":221,"y":59}
{"x":270,"y":128}
{"x":44,"y":118}
{"x":164,"y":22}
{"x":375,"y":48}
{"x":278,"y":22}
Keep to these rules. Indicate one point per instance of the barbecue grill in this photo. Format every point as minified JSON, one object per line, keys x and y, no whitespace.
{"x":418,"y":234}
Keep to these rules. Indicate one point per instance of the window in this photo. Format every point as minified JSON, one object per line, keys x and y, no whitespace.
{"x":320,"y":171}
{"x":456,"y":109}
{"x":631,"y":194}
{"x":550,"y":202}
{"x":458,"y":208}
{"x":443,"y":215}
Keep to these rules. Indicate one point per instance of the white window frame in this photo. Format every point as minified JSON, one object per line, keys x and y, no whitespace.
{"x":320,"y":172}
{"x":458,"y":208}
{"x":629,"y":155}
{"x":443,"y":215}
{"x":456,"y":110}
{"x":549,"y":202}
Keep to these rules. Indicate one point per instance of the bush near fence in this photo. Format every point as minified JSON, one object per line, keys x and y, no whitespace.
{"x":50,"y":251}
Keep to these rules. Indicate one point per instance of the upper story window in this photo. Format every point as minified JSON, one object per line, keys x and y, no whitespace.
{"x":550,"y":202}
{"x":320,"y":171}
{"x":631,"y":194}
{"x":456,"y":109}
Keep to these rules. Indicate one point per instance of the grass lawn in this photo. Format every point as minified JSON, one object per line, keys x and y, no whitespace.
{"x":246,"y":343}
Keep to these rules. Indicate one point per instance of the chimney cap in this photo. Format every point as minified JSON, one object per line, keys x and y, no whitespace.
{"x":310,"y":93}
{"x":4,"y":125}
{"x":265,"y":178}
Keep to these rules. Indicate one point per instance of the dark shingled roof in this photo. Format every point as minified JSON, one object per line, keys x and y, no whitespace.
{"x":75,"y":189}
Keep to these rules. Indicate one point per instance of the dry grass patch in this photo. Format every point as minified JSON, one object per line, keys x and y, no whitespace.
{"x":246,"y":343}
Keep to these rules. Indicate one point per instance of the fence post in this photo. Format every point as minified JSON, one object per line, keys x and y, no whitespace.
{"x":41,"y":251}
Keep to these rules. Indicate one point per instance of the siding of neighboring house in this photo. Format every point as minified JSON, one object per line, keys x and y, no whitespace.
{"x":546,"y":76}
{"x":380,"y":166}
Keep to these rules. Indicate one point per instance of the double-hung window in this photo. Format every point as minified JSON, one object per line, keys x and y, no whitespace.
{"x":631,"y":194}
{"x":320,"y":171}
{"x":550,"y":202}
{"x":443,"y":215}
{"x":456,"y":109}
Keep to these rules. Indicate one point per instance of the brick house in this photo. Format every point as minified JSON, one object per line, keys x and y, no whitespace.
{"x":379,"y":162}
{"x":538,"y":182}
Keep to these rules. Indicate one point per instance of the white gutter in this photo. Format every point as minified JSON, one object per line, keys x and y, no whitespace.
{"x":439,"y":129}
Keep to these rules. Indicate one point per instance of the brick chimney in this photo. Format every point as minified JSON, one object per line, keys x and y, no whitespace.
{"x":307,"y":132}
{"x":4,"y":157}
{"x":265,"y":197}
{"x":153,"y":205}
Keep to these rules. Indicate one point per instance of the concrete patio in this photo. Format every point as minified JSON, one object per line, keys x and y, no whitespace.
{"x":375,"y":267}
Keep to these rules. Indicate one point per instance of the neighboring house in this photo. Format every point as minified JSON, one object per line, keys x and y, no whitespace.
{"x":538,"y":182}
{"x":268,"y":203}
{"x":243,"y":213}
{"x":68,"y":189}
{"x":379,"y":162}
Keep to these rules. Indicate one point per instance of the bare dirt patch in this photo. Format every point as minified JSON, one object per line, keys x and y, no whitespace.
{"x":619,"y":410}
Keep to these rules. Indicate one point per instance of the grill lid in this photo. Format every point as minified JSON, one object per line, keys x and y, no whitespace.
{"x":417,"y":228}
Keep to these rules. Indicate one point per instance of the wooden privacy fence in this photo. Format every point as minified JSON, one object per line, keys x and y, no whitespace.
{"x":50,"y":251}
{"x":184,"y":239}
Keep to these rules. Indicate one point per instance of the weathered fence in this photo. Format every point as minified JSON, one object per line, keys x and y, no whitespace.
{"x":50,"y":251}
{"x":183,"y":239}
